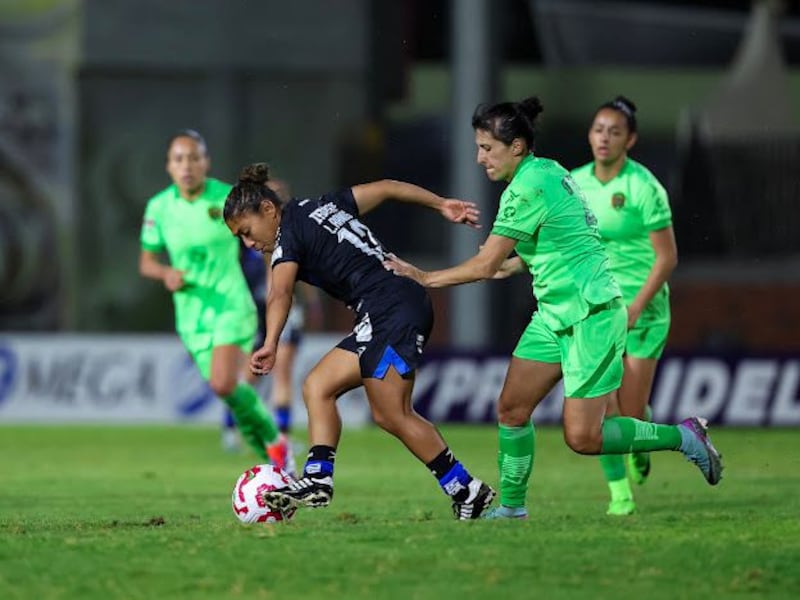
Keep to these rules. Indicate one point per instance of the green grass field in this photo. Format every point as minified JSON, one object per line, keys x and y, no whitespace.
{"x":109,"y":512}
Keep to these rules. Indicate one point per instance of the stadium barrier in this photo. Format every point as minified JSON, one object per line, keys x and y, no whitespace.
{"x":71,"y":378}
{"x":151,"y":379}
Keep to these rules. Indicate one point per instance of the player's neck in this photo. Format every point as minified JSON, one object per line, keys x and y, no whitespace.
{"x":606,"y":172}
{"x":192,"y":195}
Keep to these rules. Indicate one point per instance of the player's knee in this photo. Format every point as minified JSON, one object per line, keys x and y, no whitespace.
{"x":583,"y":441}
{"x":222,"y":386}
{"x":512,"y":416}
{"x":388,"y":422}
{"x":312,"y":389}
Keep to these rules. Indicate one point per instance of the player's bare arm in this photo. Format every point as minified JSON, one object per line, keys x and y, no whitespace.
{"x":279,"y":301}
{"x":666,"y":250}
{"x":483,"y":265}
{"x":151,"y":267}
{"x":370,"y":195}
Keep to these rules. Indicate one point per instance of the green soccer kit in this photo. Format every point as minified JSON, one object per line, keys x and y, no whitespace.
{"x":628,"y":208}
{"x":215,"y":307}
{"x":557,"y":239}
{"x":580,"y":322}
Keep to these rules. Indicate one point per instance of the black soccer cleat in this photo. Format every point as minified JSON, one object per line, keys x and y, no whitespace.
{"x":479,"y":499}
{"x":307,"y":491}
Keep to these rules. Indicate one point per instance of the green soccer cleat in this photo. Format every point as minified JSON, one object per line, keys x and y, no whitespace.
{"x":622,"y":507}
{"x":639,"y":467}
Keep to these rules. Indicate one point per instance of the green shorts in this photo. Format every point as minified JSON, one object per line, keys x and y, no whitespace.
{"x":648,"y":336}
{"x":234,"y":328}
{"x":647,"y":340}
{"x":590,"y":352}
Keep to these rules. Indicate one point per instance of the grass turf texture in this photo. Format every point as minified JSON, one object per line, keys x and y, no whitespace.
{"x":144,"y":512}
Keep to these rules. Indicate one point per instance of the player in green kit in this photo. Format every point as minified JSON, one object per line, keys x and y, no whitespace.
{"x":578,"y":331}
{"x":635,"y":225}
{"x":214,"y":312}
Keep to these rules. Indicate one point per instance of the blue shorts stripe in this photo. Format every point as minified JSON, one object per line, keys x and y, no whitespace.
{"x":390,"y":358}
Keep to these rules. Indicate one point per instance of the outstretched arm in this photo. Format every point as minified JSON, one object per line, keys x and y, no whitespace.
{"x":370,"y":195}
{"x":483,"y":265}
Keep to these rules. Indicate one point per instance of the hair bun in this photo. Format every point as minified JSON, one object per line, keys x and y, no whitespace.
{"x":531,"y":106}
{"x":256,"y":173}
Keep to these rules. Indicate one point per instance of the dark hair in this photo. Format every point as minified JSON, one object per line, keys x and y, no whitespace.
{"x":622,"y":105}
{"x":190,"y":133}
{"x":250,"y":191}
{"x":508,"y":121}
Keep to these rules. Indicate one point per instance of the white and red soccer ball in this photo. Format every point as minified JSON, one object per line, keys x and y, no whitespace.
{"x":248,"y":501}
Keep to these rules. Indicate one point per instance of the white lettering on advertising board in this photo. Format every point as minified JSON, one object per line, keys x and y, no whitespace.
{"x":151,"y":378}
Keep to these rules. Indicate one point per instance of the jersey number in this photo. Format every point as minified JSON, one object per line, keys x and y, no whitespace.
{"x":572,"y":188}
{"x":361,"y":237}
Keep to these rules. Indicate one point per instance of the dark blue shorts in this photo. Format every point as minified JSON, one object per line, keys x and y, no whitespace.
{"x":391,"y":329}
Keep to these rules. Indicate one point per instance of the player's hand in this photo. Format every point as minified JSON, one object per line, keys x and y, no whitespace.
{"x":263,"y":359}
{"x":404,"y":269}
{"x":173,"y":280}
{"x":634,"y":312}
{"x":459,"y":211}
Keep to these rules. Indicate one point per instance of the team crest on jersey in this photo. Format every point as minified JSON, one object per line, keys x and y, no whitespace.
{"x":618,"y":200}
{"x":215,"y":213}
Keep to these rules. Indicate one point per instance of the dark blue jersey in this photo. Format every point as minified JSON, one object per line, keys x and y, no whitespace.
{"x":333,"y":249}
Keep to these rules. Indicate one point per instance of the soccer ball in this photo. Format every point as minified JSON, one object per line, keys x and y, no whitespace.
{"x":247,"y":500}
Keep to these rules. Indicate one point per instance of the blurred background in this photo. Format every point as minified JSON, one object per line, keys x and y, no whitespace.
{"x":337,"y":93}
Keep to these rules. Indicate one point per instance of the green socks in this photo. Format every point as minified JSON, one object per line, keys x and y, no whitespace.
{"x":515,"y":461}
{"x":613,"y":466}
{"x":252,"y":418}
{"x":622,"y":435}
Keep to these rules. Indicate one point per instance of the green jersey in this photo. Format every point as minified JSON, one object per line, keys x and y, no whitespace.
{"x":627,"y":208}
{"x":199,"y":243}
{"x":557,"y":238}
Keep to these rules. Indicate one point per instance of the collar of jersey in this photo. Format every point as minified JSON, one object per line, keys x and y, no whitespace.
{"x":523,"y":164}
{"x":177,"y":194}
{"x":624,"y":168}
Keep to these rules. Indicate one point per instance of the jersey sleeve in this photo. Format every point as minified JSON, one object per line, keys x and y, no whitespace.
{"x":289,"y":247}
{"x":520,"y":213}
{"x":345,"y":200}
{"x":151,"y":238}
{"x":654,"y":204}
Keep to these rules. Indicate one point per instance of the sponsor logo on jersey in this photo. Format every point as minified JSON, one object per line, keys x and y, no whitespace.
{"x":618,"y":200}
{"x":215,"y":213}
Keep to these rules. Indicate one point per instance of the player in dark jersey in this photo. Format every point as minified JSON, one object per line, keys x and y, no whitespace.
{"x":322,"y":241}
